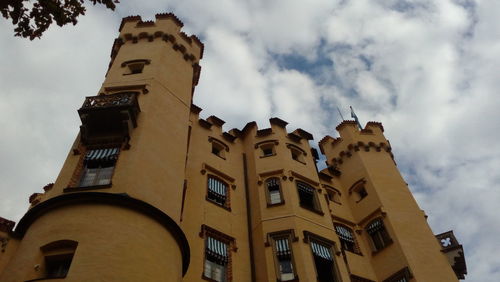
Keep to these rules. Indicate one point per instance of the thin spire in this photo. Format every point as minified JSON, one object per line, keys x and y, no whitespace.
{"x":340,"y":114}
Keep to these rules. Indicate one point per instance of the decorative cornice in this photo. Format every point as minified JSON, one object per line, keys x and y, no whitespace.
{"x":6,"y":225}
{"x":213,"y":139}
{"x":265,"y":174}
{"x":303,"y":178}
{"x":355,"y":147}
{"x":121,"y":200}
{"x":205,"y":167}
{"x":258,"y":144}
{"x":288,"y":145}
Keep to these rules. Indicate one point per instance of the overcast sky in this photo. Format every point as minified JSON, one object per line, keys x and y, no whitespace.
{"x":428,"y":70}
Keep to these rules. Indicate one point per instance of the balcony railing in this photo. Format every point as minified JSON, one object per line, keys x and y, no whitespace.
{"x":108,"y":118}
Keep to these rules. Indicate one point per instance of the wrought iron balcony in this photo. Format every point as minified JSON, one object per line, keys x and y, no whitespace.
{"x":108,"y":118}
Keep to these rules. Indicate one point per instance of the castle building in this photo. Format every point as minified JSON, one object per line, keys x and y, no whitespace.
{"x":151,"y":192}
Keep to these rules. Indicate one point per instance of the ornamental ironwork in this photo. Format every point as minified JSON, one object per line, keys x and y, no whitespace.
{"x":112,"y":100}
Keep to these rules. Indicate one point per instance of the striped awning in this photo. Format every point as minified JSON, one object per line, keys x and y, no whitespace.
{"x":305,"y":188}
{"x":282,"y":247}
{"x":110,"y":154}
{"x":344,"y":233}
{"x":217,"y":186}
{"x":217,"y":249}
{"x":273,"y":182}
{"x":321,"y":251}
{"x":374,"y":226}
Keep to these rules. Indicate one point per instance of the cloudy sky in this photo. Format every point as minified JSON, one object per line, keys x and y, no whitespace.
{"x":428,"y":70}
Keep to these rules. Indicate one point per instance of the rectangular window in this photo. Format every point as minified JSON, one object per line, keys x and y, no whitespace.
{"x":58,"y":256}
{"x":216,"y":260}
{"x":403,"y":275}
{"x":323,"y":261}
{"x":347,"y":239}
{"x":57,"y":266}
{"x":267,"y":150}
{"x":217,"y":191}
{"x":307,"y":197}
{"x":98,"y":167}
{"x":378,"y":234}
{"x":333,"y":195}
{"x":274,"y":191}
{"x":283,"y":256}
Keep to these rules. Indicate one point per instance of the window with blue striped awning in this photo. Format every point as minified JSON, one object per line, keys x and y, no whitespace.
{"x":375,"y":226}
{"x":282,"y":247}
{"x":321,"y":250}
{"x":217,"y":186}
{"x":344,"y":233}
{"x":102,"y":155}
{"x":305,"y":188}
{"x":217,"y":249}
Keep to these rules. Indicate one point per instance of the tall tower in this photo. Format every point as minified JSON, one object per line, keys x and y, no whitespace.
{"x":134,"y":132}
{"x":381,"y":208}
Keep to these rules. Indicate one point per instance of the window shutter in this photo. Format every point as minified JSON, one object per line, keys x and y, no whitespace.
{"x":321,"y":251}
{"x":305,"y":188}
{"x":374,"y":226}
{"x":102,"y":155}
{"x":344,"y":233}
{"x":282,"y":247}
{"x":217,"y":249}
{"x":216,"y":186}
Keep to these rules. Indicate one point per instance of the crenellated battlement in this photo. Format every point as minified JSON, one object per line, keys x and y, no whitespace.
{"x":275,"y":125}
{"x":166,"y":27}
{"x":352,"y":139}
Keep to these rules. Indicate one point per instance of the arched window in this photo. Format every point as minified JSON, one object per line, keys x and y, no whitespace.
{"x":273,"y":190}
{"x":379,"y":236}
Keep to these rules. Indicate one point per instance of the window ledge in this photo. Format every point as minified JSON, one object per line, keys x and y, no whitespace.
{"x":46,"y":278}
{"x":267,"y":156}
{"x":85,"y":188}
{"x":299,"y":161}
{"x":296,"y":279}
{"x":207,"y":278}
{"x":219,"y":156}
{"x":356,"y":253}
{"x":312,"y":210}
{"x":360,"y":199}
{"x":385,"y":247}
{"x":217,"y":204}
{"x":275,"y":205}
